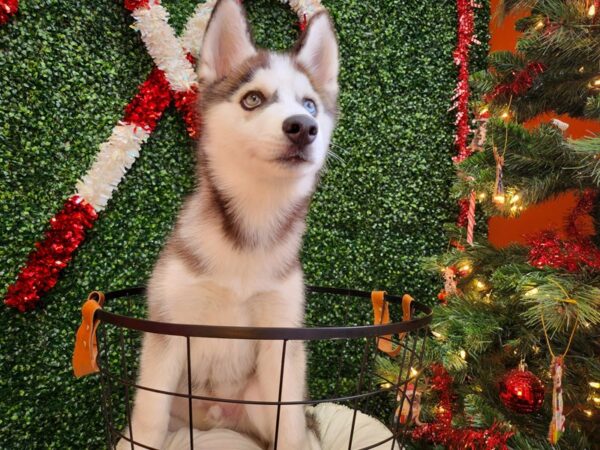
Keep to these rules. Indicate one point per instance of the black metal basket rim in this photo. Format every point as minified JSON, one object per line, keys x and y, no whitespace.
{"x":269,"y":333}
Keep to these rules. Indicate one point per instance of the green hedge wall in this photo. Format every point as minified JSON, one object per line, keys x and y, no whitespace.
{"x":68,"y":67}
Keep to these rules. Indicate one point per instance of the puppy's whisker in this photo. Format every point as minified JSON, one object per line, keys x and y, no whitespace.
{"x":335,"y":156}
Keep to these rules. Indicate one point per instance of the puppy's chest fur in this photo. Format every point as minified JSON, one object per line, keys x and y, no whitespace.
{"x":208,"y":274}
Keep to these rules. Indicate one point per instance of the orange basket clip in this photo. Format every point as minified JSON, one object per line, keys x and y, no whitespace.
{"x":86,"y":344}
{"x":381,"y":315}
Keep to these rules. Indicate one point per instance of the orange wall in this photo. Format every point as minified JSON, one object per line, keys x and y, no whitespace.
{"x":550,"y":214}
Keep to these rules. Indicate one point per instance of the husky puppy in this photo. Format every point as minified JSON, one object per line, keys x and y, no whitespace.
{"x":232,"y":258}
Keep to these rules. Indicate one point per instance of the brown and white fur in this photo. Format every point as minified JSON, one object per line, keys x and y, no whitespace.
{"x":232,"y":258}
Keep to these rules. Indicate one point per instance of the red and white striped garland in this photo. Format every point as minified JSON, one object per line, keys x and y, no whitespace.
{"x":174,"y":79}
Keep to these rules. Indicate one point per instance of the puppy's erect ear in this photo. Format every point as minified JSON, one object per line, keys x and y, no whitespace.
{"x":317,"y":51}
{"x":227,"y":42}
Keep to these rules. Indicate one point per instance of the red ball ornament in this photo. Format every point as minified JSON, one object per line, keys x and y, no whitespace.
{"x":521,"y":391}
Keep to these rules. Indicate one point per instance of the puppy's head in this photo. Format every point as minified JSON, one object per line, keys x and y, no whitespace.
{"x":268,"y":114}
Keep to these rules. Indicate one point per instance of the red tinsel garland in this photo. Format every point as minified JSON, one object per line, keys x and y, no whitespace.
{"x":441,"y":432}
{"x":131,"y":5}
{"x":52,"y":254}
{"x":461,"y":93}
{"x":521,"y":83}
{"x":151,"y":100}
{"x":8,"y":8}
{"x":463,"y":212}
{"x":548,"y":249}
{"x":187,"y":104}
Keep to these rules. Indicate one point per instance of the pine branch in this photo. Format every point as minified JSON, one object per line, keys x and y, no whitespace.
{"x":587,"y":150}
{"x":592,"y":107}
{"x":538,"y":164}
{"x":563,"y":301}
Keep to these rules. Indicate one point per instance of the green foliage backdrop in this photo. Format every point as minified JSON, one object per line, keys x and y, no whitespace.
{"x":68,"y":67}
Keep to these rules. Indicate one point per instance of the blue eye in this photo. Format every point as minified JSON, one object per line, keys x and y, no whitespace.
{"x":310,"y":106}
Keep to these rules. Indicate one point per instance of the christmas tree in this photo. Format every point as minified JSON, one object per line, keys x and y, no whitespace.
{"x":516,"y":339}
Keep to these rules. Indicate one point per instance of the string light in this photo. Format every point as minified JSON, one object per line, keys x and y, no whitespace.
{"x":594,"y":384}
{"x":437,"y":335}
{"x":462,"y":354}
{"x":499,"y":199}
{"x":386,"y":385}
{"x":505,"y":115}
{"x":588,"y":412}
{"x":465,"y":269}
{"x":581,"y":69}
{"x":482,"y":196}
{"x":413,"y":372}
{"x":595,"y":83}
{"x":592,"y":11}
{"x":596,"y":400}
{"x":539,"y":25}
{"x":515,"y":198}
{"x":480,"y":285}
{"x":535,"y":348}
{"x":531,"y":292}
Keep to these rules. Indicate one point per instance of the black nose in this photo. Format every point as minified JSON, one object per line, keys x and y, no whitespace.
{"x":300,"y":129}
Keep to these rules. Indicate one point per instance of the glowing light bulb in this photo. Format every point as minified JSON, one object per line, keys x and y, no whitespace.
{"x":499,"y":199}
{"x":386,"y":385}
{"x":595,"y":83}
{"x":505,"y":115}
{"x":592,"y":11}
{"x":463,"y":354}
{"x":482,"y":196}
{"x":519,"y":393}
{"x":588,"y":412}
{"x":532,"y":292}
{"x":480,"y":285}
{"x":437,"y":335}
{"x":596,"y":400}
{"x":465,"y":269}
{"x":515,"y":198}
{"x":413,"y":372}
{"x":595,"y":384}
{"x":539,"y":25}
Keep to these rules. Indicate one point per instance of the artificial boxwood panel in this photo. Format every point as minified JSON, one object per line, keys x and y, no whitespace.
{"x":68,"y":67}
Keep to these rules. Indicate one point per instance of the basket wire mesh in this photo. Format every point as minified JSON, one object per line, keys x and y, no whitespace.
{"x":354,"y":382}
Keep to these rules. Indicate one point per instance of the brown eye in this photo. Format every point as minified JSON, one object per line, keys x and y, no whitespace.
{"x":252,"y":100}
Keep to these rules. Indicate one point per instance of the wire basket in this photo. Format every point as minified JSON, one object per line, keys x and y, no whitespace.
{"x":350,"y":378}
